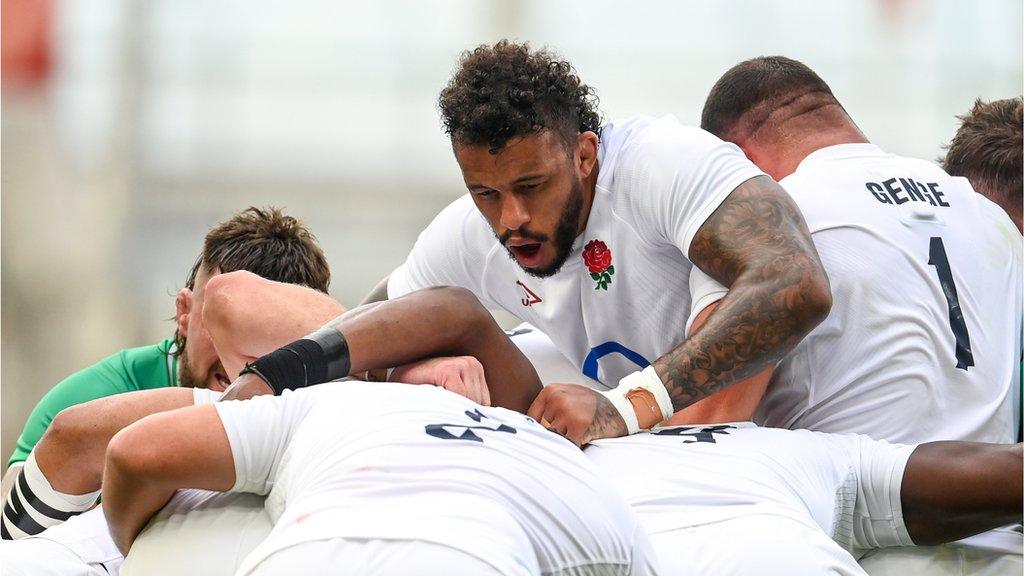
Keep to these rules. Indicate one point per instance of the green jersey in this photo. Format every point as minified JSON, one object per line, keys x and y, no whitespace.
{"x":129,"y":370}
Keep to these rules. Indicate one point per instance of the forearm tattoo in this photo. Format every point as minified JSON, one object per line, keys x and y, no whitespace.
{"x":758,"y":245}
{"x":607,"y":422}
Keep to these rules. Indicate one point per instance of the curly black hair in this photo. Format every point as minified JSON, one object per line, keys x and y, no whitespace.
{"x":506,"y":90}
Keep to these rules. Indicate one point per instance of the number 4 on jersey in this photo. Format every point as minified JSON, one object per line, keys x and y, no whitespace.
{"x":937,"y":258}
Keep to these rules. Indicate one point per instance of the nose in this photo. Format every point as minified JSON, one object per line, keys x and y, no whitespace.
{"x":513,"y":212}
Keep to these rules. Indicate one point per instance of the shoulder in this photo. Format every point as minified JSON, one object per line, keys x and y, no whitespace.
{"x":662,"y":154}
{"x":1000,"y":223}
{"x":646,"y":141}
{"x":460,"y":224}
{"x":457,"y":211}
{"x":105,"y":378}
{"x":143,"y":367}
{"x":451,"y":251}
{"x":671,"y":177}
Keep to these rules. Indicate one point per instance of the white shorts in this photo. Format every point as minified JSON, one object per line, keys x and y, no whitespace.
{"x":762,"y":544}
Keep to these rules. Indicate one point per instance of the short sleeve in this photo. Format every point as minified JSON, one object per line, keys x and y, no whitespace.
{"x":259,"y":431}
{"x":677,"y":177}
{"x":704,"y":291}
{"x":202,"y":396}
{"x":875,"y":515}
{"x":450,"y":252}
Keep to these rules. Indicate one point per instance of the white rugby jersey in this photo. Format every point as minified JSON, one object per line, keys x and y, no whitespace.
{"x":394,"y":461}
{"x":658,"y":181}
{"x":683,"y":476}
{"x":81,"y":546}
{"x":924,"y":338}
{"x":552,"y":367}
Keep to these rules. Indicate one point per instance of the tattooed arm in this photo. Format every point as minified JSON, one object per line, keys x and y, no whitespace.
{"x":758,"y":245}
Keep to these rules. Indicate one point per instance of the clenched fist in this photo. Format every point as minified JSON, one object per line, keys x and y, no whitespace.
{"x":463,"y":375}
{"x":579,"y":413}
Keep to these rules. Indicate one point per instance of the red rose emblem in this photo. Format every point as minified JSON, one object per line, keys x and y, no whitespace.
{"x":597,"y":256}
{"x":598,"y":259}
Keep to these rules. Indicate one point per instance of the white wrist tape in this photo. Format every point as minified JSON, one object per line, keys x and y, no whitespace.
{"x":641,"y":399}
{"x":624,"y":407}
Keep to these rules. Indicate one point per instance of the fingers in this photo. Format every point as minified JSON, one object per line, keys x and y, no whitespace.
{"x":457,"y":385}
{"x":536,"y":410}
{"x":558,"y":425}
{"x":464,"y":376}
{"x":473,"y":374}
{"x":550,"y":409}
{"x":477,"y":380}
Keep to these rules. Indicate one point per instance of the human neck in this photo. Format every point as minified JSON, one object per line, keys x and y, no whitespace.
{"x":779,"y":149}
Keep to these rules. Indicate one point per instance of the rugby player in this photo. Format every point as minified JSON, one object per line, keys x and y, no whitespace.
{"x":590,"y":232}
{"x":924,"y":337}
{"x":926,"y":275}
{"x":383,"y":478}
{"x":75,"y":445}
{"x":797,"y":493}
{"x":814,"y":483}
{"x":988,"y":150}
{"x":262,"y":240}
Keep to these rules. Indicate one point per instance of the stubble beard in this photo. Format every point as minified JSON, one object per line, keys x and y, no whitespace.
{"x":565,"y":234}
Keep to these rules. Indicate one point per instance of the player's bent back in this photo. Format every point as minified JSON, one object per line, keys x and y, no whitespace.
{"x":397,"y":462}
{"x":923,"y":341}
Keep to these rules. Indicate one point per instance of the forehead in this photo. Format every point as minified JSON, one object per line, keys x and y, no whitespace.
{"x":537,"y":153}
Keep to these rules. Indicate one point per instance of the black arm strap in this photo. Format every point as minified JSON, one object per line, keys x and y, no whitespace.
{"x":321,"y":357}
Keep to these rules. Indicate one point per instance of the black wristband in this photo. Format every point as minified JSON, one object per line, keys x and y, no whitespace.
{"x":320,"y":358}
{"x":335,"y":350}
{"x":282,"y":369}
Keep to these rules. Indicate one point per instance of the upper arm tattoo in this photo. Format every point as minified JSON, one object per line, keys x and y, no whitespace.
{"x":757,"y":244}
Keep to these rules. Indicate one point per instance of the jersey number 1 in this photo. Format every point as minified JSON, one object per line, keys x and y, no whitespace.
{"x":937,"y":258}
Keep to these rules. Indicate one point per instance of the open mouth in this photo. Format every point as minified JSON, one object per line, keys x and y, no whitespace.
{"x":528,"y":255}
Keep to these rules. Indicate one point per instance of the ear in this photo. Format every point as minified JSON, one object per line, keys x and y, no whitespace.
{"x":183,"y":308}
{"x":752,"y":151}
{"x":586,"y":153}
{"x":755,"y":155}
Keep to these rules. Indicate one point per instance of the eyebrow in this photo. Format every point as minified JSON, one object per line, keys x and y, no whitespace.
{"x":516,"y":182}
{"x":529,"y":177}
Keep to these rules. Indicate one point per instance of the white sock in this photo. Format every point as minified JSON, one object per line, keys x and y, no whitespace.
{"x":33,"y":505}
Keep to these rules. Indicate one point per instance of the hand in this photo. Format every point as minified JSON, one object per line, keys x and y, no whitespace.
{"x":246,"y":386}
{"x":463,"y":375}
{"x":579,"y":413}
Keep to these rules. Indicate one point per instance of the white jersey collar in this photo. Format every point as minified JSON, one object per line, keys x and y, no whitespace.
{"x":842,"y":152}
